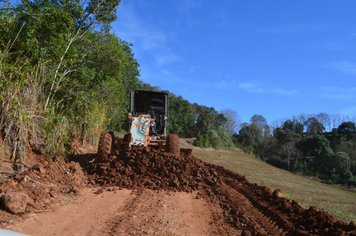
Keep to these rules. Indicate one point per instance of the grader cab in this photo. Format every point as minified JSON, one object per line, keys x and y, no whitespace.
{"x":148,"y":115}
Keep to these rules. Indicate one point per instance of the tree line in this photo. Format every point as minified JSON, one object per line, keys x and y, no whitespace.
{"x":302,"y":145}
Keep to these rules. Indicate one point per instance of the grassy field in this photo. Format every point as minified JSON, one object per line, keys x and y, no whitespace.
{"x":339,"y":202}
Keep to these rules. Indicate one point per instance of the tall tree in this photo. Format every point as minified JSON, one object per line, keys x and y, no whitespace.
{"x":261,"y":123}
{"x":250,"y":135}
{"x":181,"y":117}
{"x":290,"y":153}
{"x":233,"y":121}
{"x":294,"y":126}
{"x":324,"y":119}
{"x":313,"y":126}
{"x":317,"y":152}
{"x":207,"y":118}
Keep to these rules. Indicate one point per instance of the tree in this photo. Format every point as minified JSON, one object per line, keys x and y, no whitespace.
{"x":317,"y":152}
{"x":287,"y":136}
{"x":97,"y":13}
{"x":233,"y":122}
{"x":181,"y":117}
{"x":341,"y":167}
{"x":324,"y":119}
{"x":250,"y":135}
{"x":314,"y":126}
{"x":290,"y":153}
{"x":347,"y":128}
{"x":148,"y":87}
{"x":256,"y":135}
{"x":207,"y":118}
{"x":199,"y":141}
{"x":261,"y":123}
{"x":294,"y":126}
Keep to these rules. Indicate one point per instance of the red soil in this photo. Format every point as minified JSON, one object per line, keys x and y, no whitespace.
{"x":145,"y":191}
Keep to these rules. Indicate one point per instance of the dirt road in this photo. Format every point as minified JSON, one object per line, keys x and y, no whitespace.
{"x":122,"y":212}
{"x":223,"y":211}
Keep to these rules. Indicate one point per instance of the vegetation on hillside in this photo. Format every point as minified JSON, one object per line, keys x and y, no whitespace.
{"x":302,"y":145}
{"x":62,"y":73}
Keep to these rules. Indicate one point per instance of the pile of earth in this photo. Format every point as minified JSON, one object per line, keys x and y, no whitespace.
{"x":38,"y":187}
{"x":150,"y":168}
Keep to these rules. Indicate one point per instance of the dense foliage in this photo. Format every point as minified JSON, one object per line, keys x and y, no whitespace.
{"x":62,"y":72}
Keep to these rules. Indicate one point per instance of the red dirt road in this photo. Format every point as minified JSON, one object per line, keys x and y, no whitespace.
{"x":122,"y":212}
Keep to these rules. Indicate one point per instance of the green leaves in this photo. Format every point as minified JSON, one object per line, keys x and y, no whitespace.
{"x":79,"y":75}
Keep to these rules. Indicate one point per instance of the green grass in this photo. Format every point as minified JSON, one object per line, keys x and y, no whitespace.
{"x":308,"y":192}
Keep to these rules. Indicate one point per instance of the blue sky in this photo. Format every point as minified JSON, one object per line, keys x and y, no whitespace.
{"x":273,"y":58}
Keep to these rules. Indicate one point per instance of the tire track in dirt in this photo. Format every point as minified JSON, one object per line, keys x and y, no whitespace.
{"x":244,"y":215}
{"x":163,"y":213}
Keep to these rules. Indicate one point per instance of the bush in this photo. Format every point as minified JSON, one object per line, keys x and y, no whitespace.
{"x":298,"y":167}
{"x":206,"y":142}
{"x":198,"y":141}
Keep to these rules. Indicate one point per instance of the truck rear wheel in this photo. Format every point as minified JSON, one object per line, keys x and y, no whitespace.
{"x":105,"y":144}
{"x":172,"y":144}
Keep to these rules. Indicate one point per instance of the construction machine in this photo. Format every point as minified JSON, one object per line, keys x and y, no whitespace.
{"x":148,"y":115}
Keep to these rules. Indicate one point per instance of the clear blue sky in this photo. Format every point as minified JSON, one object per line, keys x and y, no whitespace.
{"x":273,"y":58}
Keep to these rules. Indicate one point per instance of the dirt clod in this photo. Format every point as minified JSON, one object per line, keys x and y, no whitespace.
{"x":278,"y":194}
{"x":15,"y":202}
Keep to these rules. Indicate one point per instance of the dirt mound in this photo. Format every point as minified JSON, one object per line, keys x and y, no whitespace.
{"x":46,"y":183}
{"x":245,"y":206}
{"x":146,"y":167}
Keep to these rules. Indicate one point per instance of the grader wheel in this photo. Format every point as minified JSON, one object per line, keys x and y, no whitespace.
{"x":105,"y":144}
{"x":172,"y":144}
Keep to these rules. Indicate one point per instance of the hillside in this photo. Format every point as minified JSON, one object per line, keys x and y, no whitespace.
{"x":305,"y":190}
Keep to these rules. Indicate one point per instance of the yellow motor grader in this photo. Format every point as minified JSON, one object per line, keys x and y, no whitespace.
{"x":148,"y":115}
